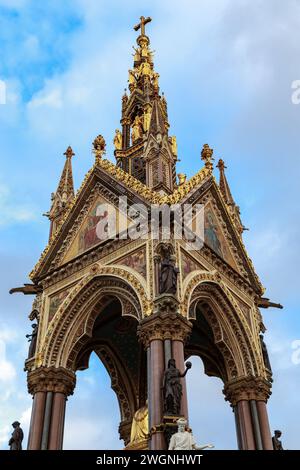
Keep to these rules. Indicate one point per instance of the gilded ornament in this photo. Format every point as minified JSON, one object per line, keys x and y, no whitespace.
{"x":99,"y":146}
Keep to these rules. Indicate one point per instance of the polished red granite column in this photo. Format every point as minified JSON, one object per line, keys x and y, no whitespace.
{"x":46,"y":429}
{"x":264,"y":425}
{"x":241,"y":392}
{"x":164,"y":326}
{"x":57,"y":422}
{"x":156,"y":405}
{"x":37,"y":421}
{"x":246,"y":427}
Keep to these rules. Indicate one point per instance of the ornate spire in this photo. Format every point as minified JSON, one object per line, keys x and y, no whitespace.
{"x":226,"y":193}
{"x":145,"y":118}
{"x":64,"y":194}
{"x":223,"y":184}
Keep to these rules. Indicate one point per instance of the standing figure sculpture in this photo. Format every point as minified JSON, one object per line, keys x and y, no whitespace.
{"x":172,"y":388}
{"x":184,"y":440}
{"x":265,"y":353}
{"x":168,"y":275}
{"x":137,"y":131}
{"x":118,"y":140}
{"x":32,"y":340}
{"x":15,"y":442}
{"x":277,"y":444}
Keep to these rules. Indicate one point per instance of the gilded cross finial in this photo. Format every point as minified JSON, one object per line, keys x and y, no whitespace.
{"x":69,"y":152}
{"x":142,"y":24}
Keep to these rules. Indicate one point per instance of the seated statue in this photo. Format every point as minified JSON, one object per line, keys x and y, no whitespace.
{"x":139,"y":429}
{"x":184,"y":440}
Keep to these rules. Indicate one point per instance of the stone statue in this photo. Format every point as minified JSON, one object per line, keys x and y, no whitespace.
{"x":118,"y":140}
{"x":136,"y":132}
{"x":145,"y":68}
{"x":15,"y":442}
{"x":184,"y":440}
{"x":172,"y":388}
{"x":147,"y":117}
{"x":174,"y":144}
{"x":181,"y":179}
{"x":168,"y":274}
{"x":32,"y":340}
{"x":155,"y":80}
{"x":139,"y":426}
{"x":132,"y":77}
{"x":136,"y":55}
{"x":277,"y":445}
{"x":265,"y":353}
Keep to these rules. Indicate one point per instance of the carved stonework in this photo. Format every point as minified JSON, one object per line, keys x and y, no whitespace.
{"x":165,"y":323}
{"x":231,"y":330}
{"x":51,"y":379}
{"x":80,"y":302}
{"x":247,"y":388}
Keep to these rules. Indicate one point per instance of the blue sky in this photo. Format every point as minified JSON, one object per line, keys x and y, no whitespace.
{"x":226,"y":68}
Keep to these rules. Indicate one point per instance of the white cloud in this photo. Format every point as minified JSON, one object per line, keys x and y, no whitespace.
{"x":7,"y":368}
{"x":13,"y":212}
{"x":47,"y":98}
{"x":4,"y":433}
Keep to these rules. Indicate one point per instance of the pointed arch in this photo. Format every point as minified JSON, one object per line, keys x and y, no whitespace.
{"x":206,"y":294}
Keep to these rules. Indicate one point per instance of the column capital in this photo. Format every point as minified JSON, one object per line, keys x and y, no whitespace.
{"x":165,"y":322}
{"x":247,"y":388}
{"x":51,"y":379}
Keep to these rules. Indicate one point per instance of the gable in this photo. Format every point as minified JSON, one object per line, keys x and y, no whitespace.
{"x":220,"y":233}
{"x":87,"y":235}
{"x":216,"y":236}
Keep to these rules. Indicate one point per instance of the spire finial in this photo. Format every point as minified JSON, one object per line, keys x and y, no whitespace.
{"x":221,"y":165}
{"x":99,"y":146}
{"x":69,"y":152}
{"x":207,"y":156}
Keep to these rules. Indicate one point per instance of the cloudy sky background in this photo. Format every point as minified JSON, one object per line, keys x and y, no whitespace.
{"x":226,"y":68}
